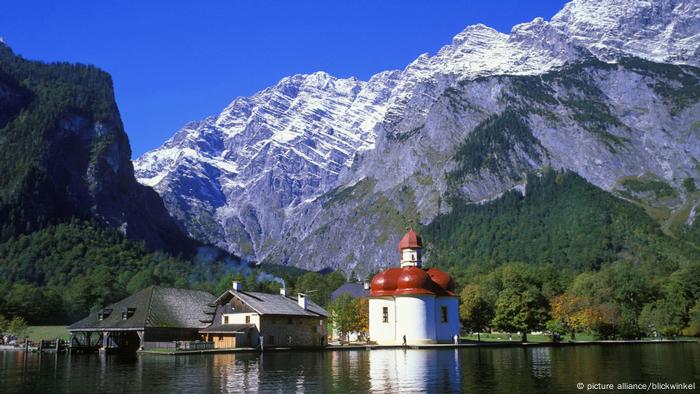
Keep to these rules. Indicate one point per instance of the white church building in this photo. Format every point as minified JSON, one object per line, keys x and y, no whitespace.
{"x":411,"y":304}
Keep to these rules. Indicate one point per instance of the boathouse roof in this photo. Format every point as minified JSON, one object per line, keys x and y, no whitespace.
{"x":155,"y":306}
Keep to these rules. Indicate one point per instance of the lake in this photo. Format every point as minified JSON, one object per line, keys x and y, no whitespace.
{"x":510,"y":370}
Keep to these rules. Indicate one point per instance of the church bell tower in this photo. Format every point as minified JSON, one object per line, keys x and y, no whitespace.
{"x":411,"y":248}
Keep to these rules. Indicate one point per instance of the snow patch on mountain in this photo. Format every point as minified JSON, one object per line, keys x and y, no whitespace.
{"x":244,"y":178}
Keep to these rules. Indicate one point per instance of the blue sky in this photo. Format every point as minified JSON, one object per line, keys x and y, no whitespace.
{"x":177,"y":61}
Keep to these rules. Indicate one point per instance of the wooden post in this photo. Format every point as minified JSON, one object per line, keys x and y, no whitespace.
{"x":105,"y":340}
{"x":141,"y":335}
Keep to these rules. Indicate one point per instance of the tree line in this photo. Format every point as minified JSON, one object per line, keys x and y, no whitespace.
{"x":622,"y":300}
{"x":59,"y":274}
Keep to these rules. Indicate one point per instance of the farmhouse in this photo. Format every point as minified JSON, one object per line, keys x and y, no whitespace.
{"x":151,"y":318}
{"x":250,"y":319}
{"x":410,"y":304}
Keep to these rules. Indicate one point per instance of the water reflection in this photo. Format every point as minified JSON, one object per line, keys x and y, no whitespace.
{"x":541,"y":362}
{"x":414,"y":370}
{"x":548,"y":370}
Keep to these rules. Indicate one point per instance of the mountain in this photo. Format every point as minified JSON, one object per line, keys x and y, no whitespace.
{"x":64,"y":155}
{"x":233,"y":177}
{"x":322,"y":172}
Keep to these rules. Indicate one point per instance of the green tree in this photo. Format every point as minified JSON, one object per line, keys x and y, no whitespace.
{"x":663,"y":317}
{"x":522,"y":311}
{"x":475,"y":312}
{"x":693,"y":328}
{"x":344,"y":315}
{"x":17,"y":326}
{"x":318,"y":286}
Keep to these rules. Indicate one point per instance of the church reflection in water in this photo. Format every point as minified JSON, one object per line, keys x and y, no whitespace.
{"x":414,"y":370}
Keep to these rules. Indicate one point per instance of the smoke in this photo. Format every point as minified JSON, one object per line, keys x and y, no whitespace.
{"x":206,"y":254}
{"x":211,"y":257}
{"x":214,"y":259}
{"x":265,"y":277}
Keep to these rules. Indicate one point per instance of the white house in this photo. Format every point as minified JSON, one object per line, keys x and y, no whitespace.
{"x":411,"y":303}
{"x":249,"y":319}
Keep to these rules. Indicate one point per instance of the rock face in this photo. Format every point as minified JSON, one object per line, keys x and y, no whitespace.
{"x":232,"y":179}
{"x":321,"y":172}
{"x":65,"y":155}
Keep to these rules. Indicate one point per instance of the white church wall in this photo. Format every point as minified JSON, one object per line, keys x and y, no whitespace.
{"x":445,"y":331}
{"x":383,"y":333}
{"x":415,"y":318}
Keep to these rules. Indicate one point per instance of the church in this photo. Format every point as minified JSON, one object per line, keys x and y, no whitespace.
{"x":410,"y":304}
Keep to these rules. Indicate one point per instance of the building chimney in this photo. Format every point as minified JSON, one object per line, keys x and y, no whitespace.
{"x":301,"y":300}
{"x":283,"y":291}
{"x":237,"y":286}
{"x":366,"y":285}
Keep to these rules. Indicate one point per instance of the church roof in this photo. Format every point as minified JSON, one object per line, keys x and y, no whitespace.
{"x":412,"y":281}
{"x":410,"y":241}
{"x":355,"y":290}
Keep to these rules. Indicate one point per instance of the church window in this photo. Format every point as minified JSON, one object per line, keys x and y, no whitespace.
{"x":443,"y":314}
{"x":225,"y":319}
{"x":385,"y":314}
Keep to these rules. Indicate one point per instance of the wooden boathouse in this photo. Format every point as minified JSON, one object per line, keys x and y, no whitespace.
{"x":154,"y":317}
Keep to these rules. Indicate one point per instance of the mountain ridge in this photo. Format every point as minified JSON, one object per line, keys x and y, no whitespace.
{"x":396,"y":114}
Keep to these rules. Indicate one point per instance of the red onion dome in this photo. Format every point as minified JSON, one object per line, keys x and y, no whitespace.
{"x":411,"y":241}
{"x":414,"y":280}
{"x":442,"y":279}
{"x":384,"y":283}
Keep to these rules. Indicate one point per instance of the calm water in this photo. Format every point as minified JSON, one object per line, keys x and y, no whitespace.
{"x":509,"y":370}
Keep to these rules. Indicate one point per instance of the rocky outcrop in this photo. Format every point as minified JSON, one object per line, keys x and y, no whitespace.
{"x":65,"y":155}
{"x":305,"y":171}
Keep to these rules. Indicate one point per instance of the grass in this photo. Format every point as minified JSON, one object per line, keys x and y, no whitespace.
{"x":37,"y":333}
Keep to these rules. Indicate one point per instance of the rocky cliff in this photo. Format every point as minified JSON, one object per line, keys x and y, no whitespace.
{"x":323,"y":172}
{"x":64,"y":154}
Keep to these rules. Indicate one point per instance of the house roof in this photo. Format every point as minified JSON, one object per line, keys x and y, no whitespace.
{"x":154,"y":306}
{"x":355,"y":290}
{"x":273,"y":304}
{"x":228,"y":328}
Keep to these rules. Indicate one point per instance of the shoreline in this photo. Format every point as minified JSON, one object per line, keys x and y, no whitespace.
{"x":332,"y":348}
